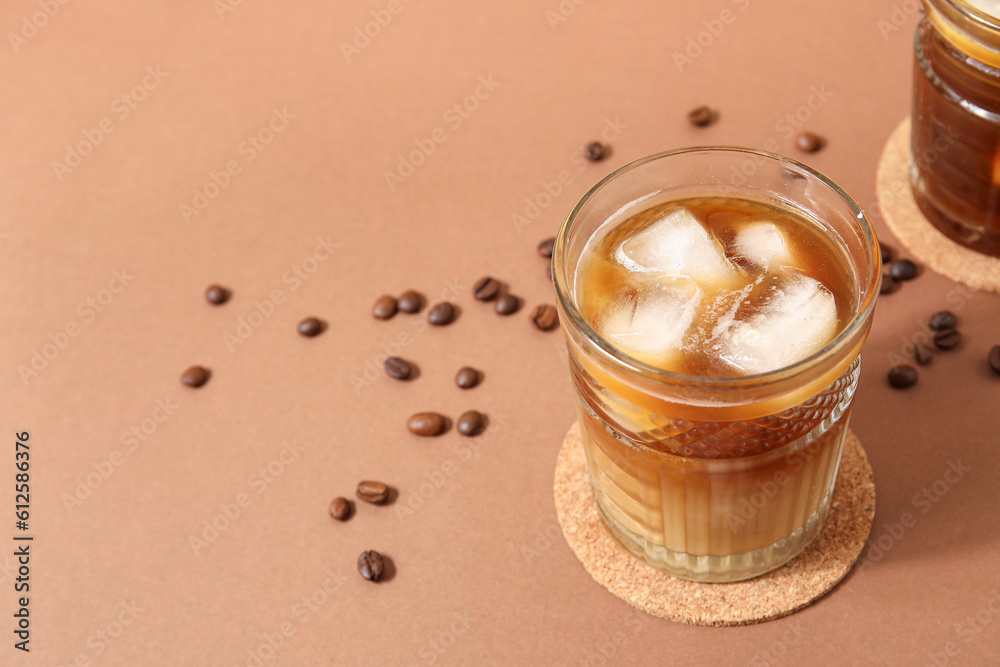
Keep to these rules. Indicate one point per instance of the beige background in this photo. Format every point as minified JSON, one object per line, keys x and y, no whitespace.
{"x":482,"y":576}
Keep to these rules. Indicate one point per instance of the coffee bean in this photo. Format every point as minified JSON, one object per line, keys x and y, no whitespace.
{"x":427,"y":424}
{"x":886,"y":252}
{"x":545,"y":248}
{"x":340,"y":509}
{"x":701,"y":116}
{"x":947,"y":339}
{"x":371,"y":565}
{"x":375,"y":493}
{"x":545,"y":318}
{"x":216,"y":295}
{"x":410,"y":302}
{"x":922,"y":354}
{"x":888,"y":284}
{"x":943,"y":319}
{"x":903,"y":269}
{"x":809,"y":142}
{"x":441,"y":314}
{"x":195,"y":376}
{"x":385,"y":307}
{"x":486,"y":289}
{"x":994,"y":359}
{"x":471,"y":423}
{"x":507,"y":304}
{"x":467,"y":377}
{"x":902,"y":377}
{"x":396,"y":367}
{"x":311,"y":326}
{"x":595,"y":151}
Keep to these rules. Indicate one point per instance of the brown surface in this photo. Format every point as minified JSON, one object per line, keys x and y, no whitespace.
{"x":925,"y":243}
{"x":486,"y":543}
{"x":803,"y":580}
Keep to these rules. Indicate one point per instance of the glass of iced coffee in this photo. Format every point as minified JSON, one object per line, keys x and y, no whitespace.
{"x":715,"y":301}
{"x":955,"y":140}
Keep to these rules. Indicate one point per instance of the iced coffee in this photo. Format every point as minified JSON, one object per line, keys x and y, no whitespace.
{"x":714,"y":323}
{"x":955,"y":146}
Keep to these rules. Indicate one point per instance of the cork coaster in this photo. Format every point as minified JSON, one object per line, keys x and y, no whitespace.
{"x":778,"y":593}
{"x":921,"y":238}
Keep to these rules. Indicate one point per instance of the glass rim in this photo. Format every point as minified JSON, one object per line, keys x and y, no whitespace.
{"x":973,"y":13}
{"x":858,"y":319}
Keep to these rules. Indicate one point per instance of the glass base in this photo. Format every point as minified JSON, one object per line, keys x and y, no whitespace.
{"x":719,"y":569}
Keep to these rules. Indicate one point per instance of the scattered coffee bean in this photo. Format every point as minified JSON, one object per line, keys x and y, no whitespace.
{"x":371,"y":565}
{"x":545,"y":317}
{"x":947,"y":339}
{"x":595,"y":151}
{"x":902,"y":377}
{"x":441,"y":314}
{"x":410,"y":302}
{"x":311,"y":326}
{"x":427,"y":424}
{"x":195,"y":376}
{"x":922,"y":354}
{"x":888,"y":283}
{"x":943,"y":319}
{"x":886,"y":253}
{"x":340,"y":509}
{"x":545,"y":248}
{"x":396,"y":367}
{"x":994,"y":359}
{"x":701,"y":116}
{"x":467,"y":377}
{"x":375,"y":493}
{"x":471,"y":423}
{"x":903,"y":269}
{"x":216,"y":295}
{"x":486,"y":289}
{"x":507,"y":304}
{"x":385,"y":307}
{"x":809,"y":142}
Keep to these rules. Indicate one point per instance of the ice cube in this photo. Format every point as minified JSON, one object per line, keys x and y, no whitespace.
{"x":792,"y":317}
{"x":654,"y":323}
{"x":762,"y":244}
{"x":680,"y":246}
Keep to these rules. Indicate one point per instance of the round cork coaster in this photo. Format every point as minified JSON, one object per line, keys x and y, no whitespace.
{"x":778,"y":593}
{"x":921,"y":238}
